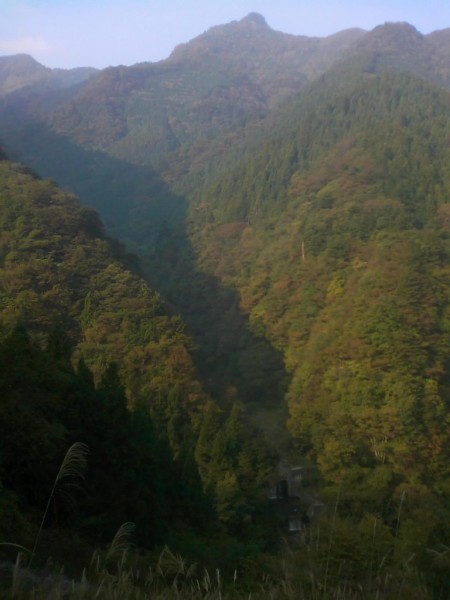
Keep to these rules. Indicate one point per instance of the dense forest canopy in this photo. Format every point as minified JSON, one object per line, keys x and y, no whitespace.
{"x":287,"y":199}
{"x":89,"y":354}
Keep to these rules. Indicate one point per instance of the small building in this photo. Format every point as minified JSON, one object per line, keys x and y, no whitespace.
{"x":293,"y":502}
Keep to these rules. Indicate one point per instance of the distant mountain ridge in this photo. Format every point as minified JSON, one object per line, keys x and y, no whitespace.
{"x":185,"y":116}
{"x":228,"y":75}
{"x":21,"y":70}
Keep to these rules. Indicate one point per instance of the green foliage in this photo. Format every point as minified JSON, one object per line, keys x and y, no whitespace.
{"x":317,"y":243}
{"x":45,"y":407}
{"x":235,"y":465}
{"x":59,"y":269}
{"x":342,"y":265}
{"x":121,"y":334}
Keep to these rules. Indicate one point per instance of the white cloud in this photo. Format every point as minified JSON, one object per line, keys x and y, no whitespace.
{"x":25,"y":45}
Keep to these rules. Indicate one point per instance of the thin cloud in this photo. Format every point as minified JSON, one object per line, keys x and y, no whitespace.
{"x":24,"y":45}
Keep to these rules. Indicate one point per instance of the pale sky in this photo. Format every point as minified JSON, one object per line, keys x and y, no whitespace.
{"x":100,"y":33}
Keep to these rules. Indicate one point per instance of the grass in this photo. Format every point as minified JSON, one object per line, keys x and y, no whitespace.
{"x":72,"y":467}
{"x":303,"y":573}
{"x":332,"y":561}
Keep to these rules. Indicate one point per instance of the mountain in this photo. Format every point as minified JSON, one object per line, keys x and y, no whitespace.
{"x":21,"y":71}
{"x":233,"y":163}
{"x":89,"y":353}
{"x":230,"y":162}
{"x":400,"y":47}
{"x":194,"y":114}
{"x":227,"y":78}
{"x":278,"y":63}
{"x":335,"y":236}
{"x":166,"y":115}
{"x":220,"y":80}
{"x":288,"y":198}
{"x":58,"y":263}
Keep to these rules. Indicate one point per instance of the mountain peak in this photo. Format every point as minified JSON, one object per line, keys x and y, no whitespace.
{"x":22,"y":62}
{"x":394,"y":38}
{"x":400,"y":32}
{"x":255,"y":18}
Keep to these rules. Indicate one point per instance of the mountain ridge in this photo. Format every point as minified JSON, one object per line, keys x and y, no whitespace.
{"x":22,"y":70}
{"x":301,"y":228}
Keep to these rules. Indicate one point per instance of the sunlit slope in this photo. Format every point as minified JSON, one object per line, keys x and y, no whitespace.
{"x":336,"y":238}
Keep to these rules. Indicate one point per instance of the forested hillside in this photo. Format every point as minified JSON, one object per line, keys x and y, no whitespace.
{"x":287,"y":198}
{"x":89,"y":354}
{"x":22,"y":71}
{"x":345,"y":269}
{"x":58,"y":264}
{"x":151,"y":114}
{"x":335,"y":236}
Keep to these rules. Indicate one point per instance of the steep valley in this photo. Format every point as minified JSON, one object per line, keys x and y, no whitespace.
{"x":286,"y":199}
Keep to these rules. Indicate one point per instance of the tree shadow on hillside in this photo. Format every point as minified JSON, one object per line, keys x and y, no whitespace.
{"x":232,"y":360}
{"x":140,"y":210}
